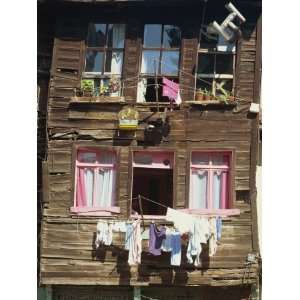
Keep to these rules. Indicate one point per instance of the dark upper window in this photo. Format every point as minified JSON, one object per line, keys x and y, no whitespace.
{"x":216,"y":61}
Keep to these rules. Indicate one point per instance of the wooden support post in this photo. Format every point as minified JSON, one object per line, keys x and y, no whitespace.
{"x":156,"y":86}
{"x":136,"y":293}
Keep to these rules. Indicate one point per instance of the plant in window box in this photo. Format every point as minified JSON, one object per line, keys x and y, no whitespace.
{"x":104,"y":90}
{"x":208,"y":95}
{"x":114,"y":87}
{"x":87,"y":87}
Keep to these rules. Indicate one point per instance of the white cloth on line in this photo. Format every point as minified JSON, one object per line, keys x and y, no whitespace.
{"x":166,"y":244}
{"x":119,"y":226}
{"x":104,"y":233}
{"x":198,"y":236}
{"x":135,"y":244}
{"x":183,"y":222}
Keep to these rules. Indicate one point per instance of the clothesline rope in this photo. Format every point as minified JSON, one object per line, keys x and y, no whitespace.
{"x":147,"y":199}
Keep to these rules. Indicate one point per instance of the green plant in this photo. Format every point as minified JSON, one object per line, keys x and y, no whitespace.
{"x":87,"y":85}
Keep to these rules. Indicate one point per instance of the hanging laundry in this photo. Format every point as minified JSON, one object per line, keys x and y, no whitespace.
{"x":219,"y":227}
{"x":171,"y":90}
{"x":128,"y":236}
{"x":166,"y":243}
{"x":213,"y":236}
{"x":183,"y":222}
{"x":176,"y":249}
{"x":104,"y":233}
{"x":156,"y":237}
{"x":134,"y":243}
{"x":198,"y":236}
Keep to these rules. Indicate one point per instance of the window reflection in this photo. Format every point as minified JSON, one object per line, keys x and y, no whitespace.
{"x":150,"y":59}
{"x":94,"y":61}
{"x":152,"y":35}
{"x":171,"y":37}
{"x":206,"y":63}
{"x":116,"y":35}
{"x":169,"y":63}
{"x":96,"y":35}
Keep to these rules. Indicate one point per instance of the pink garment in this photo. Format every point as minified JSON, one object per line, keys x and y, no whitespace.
{"x":81,"y":194}
{"x":135,"y":244}
{"x":171,"y":90}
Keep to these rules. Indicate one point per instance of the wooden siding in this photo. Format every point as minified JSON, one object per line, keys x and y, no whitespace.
{"x":68,"y":256}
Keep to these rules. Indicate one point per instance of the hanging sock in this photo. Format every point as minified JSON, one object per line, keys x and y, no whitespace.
{"x":219,"y":227}
{"x":156,"y":237}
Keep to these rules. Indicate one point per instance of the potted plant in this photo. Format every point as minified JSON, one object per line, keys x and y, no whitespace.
{"x":200,"y":95}
{"x":87,"y":87}
{"x":208,"y":95}
{"x":104,"y":90}
{"x":114,"y":87}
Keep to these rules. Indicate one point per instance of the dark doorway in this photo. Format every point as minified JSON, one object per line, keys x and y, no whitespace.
{"x":155,"y":184}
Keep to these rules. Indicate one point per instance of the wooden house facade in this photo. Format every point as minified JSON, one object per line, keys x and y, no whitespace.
{"x":136,"y":45}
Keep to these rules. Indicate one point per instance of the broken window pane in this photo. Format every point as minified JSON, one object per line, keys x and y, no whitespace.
{"x":152,"y":35}
{"x":169,"y":63}
{"x":94,"y":61}
{"x":171,"y":37}
{"x":224,"y":64}
{"x":224,"y":86}
{"x":149,"y":60}
{"x":116,"y":35}
{"x":96,"y":35}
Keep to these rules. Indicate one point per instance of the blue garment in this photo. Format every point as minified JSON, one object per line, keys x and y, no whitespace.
{"x":176,"y":249}
{"x":128,"y":236}
{"x":219,"y":227}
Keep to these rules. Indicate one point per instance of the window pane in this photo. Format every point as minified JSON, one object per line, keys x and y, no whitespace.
{"x":89,"y":185}
{"x":217,"y":189}
{"x":104,"y":185}
{"x":223,"y":86}
{"x":169,"y":64}
{"x":206,"y":63}
{"x":200,"y":158}
{"x":198,"y":192}
{"x":217,"y":159}
{"x":114,"y":61}
{"x":96,"y":35}
{"x":149,"y":59}
{"x":107,"y":158}
{"x":152,"y":35}
{"x":94,"y":61}
{"x":171,"y":36}
{"x":87,"y":157}
{"x":204,"y":83}
{"x":116,"y":35}
{"x":224,"y":64}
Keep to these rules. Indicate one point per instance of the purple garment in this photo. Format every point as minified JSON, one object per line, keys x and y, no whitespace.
{"x":156,"y":237}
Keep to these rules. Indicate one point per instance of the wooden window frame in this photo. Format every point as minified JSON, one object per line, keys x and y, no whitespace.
{"x":130,"y":181}
{"x":215,"y":75}
{"x":96,"y":211}
{"x":104,"y":50}
{"x":161,"y":50}
{"x":232,"y":194}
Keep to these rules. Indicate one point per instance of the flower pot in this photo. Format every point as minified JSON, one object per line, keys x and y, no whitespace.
{"x":199,"y":96}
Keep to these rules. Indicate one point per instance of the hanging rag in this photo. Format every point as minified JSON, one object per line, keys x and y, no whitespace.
{"x":156,"y":237}
{"x":213,"y":236}
{"x":134,"y":243}
{"x":128,"y":236}
{"x":171,"y":90}
{"x":183,"y":222}
{"x":219,"y":227}
{"x":176,"y":248}
{"x":198,"y":236}
{"x":104,"y":233}
{"x":166,"y":243}
{"x":119,"y":226}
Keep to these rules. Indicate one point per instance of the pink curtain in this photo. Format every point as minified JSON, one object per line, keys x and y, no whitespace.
{"x":81,"y":194}
{"x":224,"y":192}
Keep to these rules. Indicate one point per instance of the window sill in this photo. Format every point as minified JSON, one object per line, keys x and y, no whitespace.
{"x":212,"y":212}
{"x":212,"y":102}
{"x":95,"y":211}
{"x":98,"y":99}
